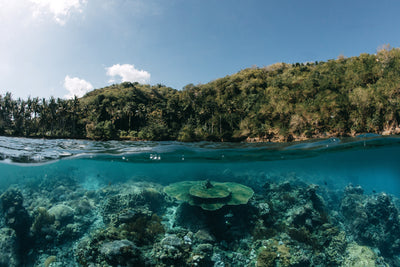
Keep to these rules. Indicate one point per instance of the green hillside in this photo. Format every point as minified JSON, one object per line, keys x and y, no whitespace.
{"x":281,"y":102}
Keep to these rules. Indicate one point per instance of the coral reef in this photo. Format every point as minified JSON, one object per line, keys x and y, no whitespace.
{"x":62,"y":213}
{"x":120,"y":252}
{"x":49,"y":261}
{"x":295,"y":216}
{"x":43,"y":226}
{"x":17,"y":218}
{"x":16,"y":215}
{"x":132,"y":229}
{"x":358,"y":256}
{"x":210,"y":195}
{"x":372,"y":219}
{"x":287,"y":222}
{"x":266,"y":258}
{"x":8,"y":248}
{"x":132,"y":196}
{"x":228,"y":223}
{"x":42,"y":218}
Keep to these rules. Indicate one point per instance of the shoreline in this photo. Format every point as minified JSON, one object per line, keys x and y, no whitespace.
{"x":300,"y":138}
{"x":272,"y":138}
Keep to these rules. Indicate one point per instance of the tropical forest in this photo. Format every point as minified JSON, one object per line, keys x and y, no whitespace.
{"x":281,"y":102}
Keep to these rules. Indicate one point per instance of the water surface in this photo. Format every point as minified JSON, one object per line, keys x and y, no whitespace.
{"x":370,"y":161}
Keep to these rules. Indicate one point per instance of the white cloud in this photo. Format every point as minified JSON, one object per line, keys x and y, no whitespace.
{"x":76,"y":87}
{"x":59,"y":9}
{"x":128,"y":73}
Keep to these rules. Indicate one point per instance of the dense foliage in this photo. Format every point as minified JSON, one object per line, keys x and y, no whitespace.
{"x":281,"y":102}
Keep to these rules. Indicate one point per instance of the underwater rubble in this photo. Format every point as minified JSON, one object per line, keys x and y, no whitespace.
{"x":286,"y":222}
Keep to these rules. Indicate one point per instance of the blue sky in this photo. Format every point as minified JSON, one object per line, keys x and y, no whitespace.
{"x":64,"y":47}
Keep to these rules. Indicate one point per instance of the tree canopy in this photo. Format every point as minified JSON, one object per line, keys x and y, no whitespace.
{"x":281,"y":102}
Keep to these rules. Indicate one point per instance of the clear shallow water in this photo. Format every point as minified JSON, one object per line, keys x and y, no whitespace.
{"x":370,"y":161}
{"x":97,"y":197}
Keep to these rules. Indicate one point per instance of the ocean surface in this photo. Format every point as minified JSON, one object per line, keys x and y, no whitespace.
{"x":330,"y":202}
{"x":370,"y":161}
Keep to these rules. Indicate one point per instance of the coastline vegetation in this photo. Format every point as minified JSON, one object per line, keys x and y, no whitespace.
{"x":281,"y":102}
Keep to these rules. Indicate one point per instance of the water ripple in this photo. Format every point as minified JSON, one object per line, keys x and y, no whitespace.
{"x":26,"y":150}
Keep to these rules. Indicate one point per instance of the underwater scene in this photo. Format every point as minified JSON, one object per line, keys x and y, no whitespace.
{"x":330,"y":202}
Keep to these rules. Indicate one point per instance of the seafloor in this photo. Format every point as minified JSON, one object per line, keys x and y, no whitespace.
{"x":287,"y":222}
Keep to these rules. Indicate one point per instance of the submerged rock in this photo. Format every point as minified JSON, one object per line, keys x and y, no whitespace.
{"x":171,"y":251}
{"x":287,"y":223}
{"x":293,"y":227}
{"x":203,"y":236}
{"x":172,"y":241}
{"x":8,"y":248}
{"x":123,"y":241}
{"x":350,"y":189}
{"x":266,"y":258}
{"x":373,"y":220}
{"x":121,"y":252}
{"x":16,"y":215}
{"x":42,"y":218}
{"x":204,"y":249}
{"x":62,"y":213}
{"x":360,"y":256}
{"x":17,"y":218}
{"x":229,"y":223}
{"x":142,"y":196}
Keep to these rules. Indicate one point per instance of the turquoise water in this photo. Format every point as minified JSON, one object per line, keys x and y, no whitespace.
{"x":331,"y":202}
{"x":370,"y":161}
